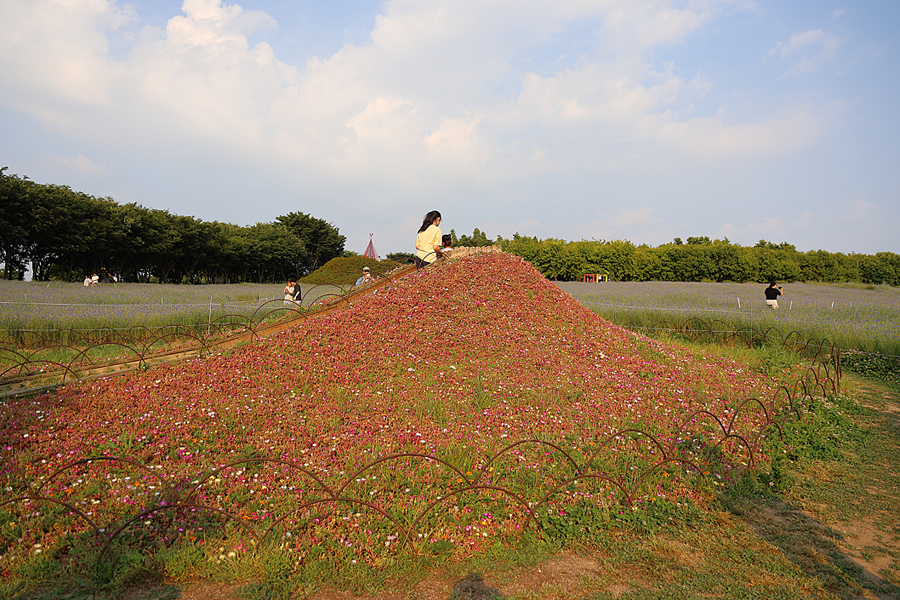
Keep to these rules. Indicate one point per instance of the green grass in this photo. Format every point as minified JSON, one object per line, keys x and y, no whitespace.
{"x":840,"y":470}
{"x":864,"y":321}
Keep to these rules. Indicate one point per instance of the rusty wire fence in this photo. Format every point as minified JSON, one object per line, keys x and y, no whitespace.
{"x":98,"y":512}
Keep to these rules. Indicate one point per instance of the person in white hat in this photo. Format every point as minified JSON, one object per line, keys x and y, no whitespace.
{"x":366,"y":277}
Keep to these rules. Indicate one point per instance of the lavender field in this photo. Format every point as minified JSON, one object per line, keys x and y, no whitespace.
{"x":864,"y":318}
{"x":852,"y":315}
{"x":59,"y":305}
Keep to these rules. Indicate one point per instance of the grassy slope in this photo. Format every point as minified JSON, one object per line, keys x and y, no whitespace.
{"x":345,"y":271}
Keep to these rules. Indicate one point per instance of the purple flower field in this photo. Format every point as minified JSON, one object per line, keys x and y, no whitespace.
{"x":853,"y":315}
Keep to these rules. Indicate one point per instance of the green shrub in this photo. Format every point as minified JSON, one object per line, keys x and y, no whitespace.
{"x":345,"y":271}
{"x":875,"y":366}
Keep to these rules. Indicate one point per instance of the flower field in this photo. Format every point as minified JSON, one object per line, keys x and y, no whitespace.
{"x":856,"y":317}
{"x":443,"y":414}
{"x":51,"y":307}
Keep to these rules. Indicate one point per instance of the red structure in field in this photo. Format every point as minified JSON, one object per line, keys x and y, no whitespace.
{"x":370,"y":249}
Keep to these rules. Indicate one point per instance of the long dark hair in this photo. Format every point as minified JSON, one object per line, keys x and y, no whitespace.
{"x":429,"y":219}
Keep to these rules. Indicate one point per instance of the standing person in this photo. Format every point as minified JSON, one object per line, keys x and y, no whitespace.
{"x":366,"y":277}
{"x":428,"y":240}
{"x":291,"y":291}
{"x":772,"y":293}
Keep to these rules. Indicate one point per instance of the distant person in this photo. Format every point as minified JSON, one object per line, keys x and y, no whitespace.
{"x":291,"y":293}
{"x":366,"y":277}
{"x":446,"y":245}
{"x":428,"y":240}
{"x":95,"y":280}
{"x":87,"y":281}
{"x":772,"y":293}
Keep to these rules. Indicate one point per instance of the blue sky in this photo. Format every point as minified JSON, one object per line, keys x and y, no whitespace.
{"x":642,"y":120}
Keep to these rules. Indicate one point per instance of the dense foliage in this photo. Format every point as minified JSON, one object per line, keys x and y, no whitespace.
{"x":66,"y":235}
{"x":697,"y":259}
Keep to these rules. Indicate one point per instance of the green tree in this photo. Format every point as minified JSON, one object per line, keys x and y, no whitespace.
{"x":321,"y":239}
{"x":552,"y":260}
{"x":224,"y":249}
{"x":616,"y":259}
{"x":401,"y":257}
{"x":478,"y":238}
{"x":524,"y":246}
{"x":685,"y":263}
{"x":731,"y":263}
{"x":16,"y":197}
{"x":647,"y":264}
{"x":274,"y":253}
{"x":818,"y":265}
{"x":878,"y":269}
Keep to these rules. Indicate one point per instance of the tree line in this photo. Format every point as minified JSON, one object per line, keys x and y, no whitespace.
{"x":694,"y":259}
{"x":65,"y":235}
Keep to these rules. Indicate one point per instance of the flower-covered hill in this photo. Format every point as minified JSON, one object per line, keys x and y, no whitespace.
{"x":456,"y":361}
{"x":468,"y":352}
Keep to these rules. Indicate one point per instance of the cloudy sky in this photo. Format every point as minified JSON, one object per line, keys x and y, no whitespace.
{"x":576,"y":119}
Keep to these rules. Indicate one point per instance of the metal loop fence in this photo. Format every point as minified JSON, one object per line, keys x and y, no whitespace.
{"x":625,"y":468}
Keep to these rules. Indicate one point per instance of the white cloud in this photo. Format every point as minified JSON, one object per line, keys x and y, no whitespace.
{"x":711,"y":138}
{"x":773,"y":229}
{"x":415,"y":95}
{"x":815,"y":47}
{"x":441,"y":99}
{"x":623,"y":223}
{"x":805,"y":221}
{"x":857,"y":209}
{"x":53,"y":54}
{"x":82,"y":164}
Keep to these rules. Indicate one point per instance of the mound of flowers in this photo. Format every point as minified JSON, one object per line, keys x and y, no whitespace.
{"x":444,"y":412}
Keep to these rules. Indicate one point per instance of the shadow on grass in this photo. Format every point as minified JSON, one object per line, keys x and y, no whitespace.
{"x":814,"y":548}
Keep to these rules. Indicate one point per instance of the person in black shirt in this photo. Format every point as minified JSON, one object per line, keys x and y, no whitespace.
{"x":772,"y":293}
